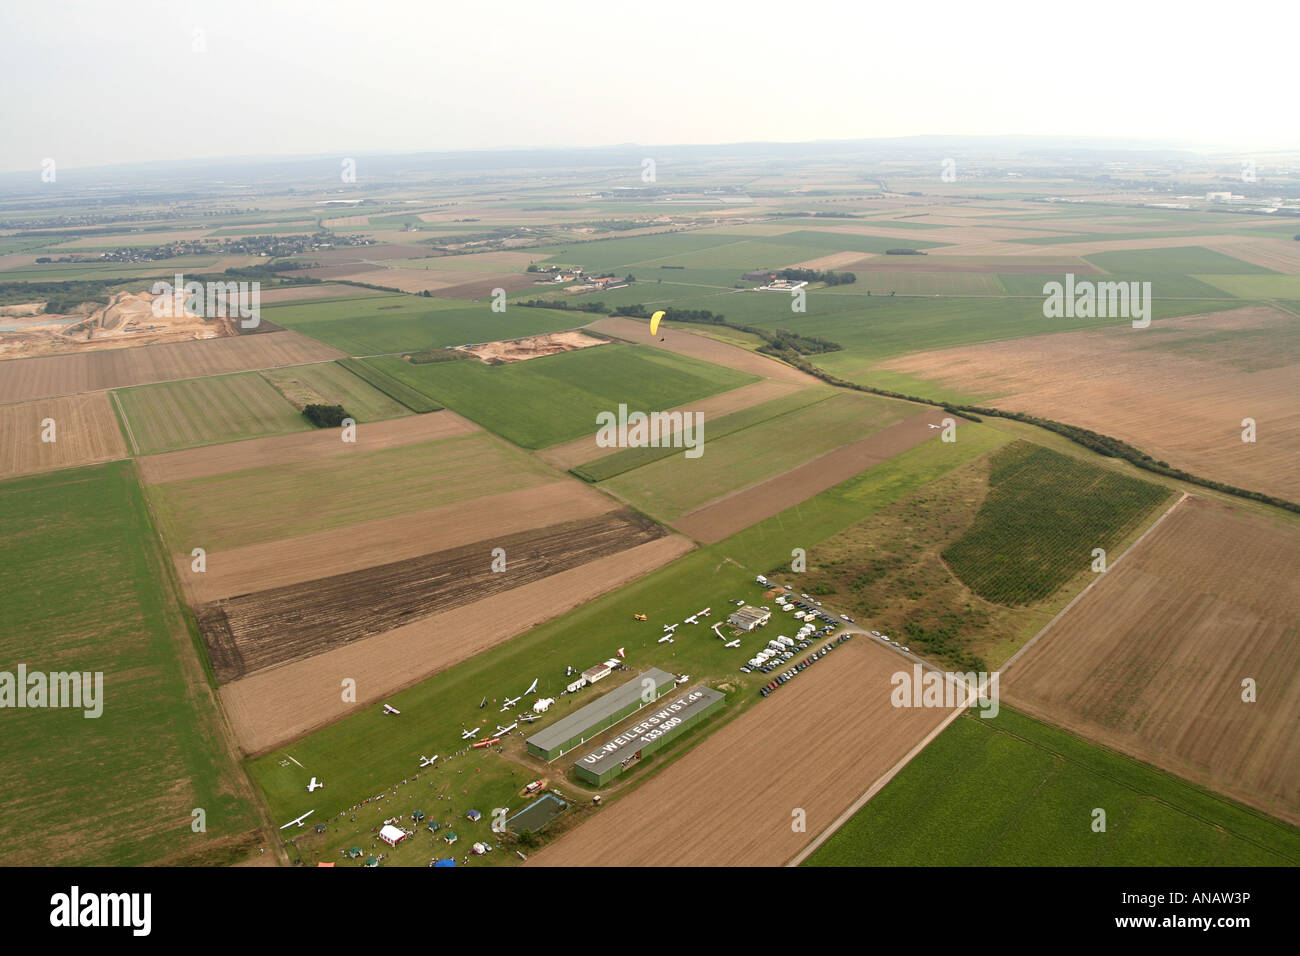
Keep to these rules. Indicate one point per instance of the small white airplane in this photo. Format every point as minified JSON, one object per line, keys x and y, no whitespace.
{"x":666,"y":639}
{"x":502,"y":731}
{"x":511,"y":701}
{"x":427,"y":761}
{"x":683,"y":679}
{"x":314,"y":785}
{"x":298,"y":821}
{"x":692,"y":619}
{"x":735,"y":643}
{"x":530,"y":719}
{"x":390,"y":709}
{"x":705,"y":612}
{"x":670,"y":627}
{"x":531,"y":687}
{"x":935,"y":426}
{"x":470,"y":733}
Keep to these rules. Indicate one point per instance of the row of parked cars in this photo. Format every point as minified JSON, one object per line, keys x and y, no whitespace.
{"x":789,"y":674}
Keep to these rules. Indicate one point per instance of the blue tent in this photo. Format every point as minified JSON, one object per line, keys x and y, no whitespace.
{"x":445,"y":861}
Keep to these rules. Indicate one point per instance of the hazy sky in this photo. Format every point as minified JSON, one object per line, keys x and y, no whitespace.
{"x":93,"y":82}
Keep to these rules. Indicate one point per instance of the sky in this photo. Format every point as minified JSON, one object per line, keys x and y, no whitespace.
{"x":90,"y":83}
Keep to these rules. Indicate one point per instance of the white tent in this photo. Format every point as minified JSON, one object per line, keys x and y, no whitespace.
{"x":392,"y":835}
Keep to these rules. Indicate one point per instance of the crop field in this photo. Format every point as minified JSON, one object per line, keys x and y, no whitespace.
{"x":628,"y":459}
{"x":387,"y":385}
{"x":1035,"y":787}
{"x":248,"y":633}
{"x":1154,"y":659}
{"x":46,"y":377}
{"x":280,"y":501}
{"x":915,"y":282}
{"x":206,"y":411}
{"x":84,"y":588}
{"x":331,"y":384}
{"x":673,"y":486}
{"x":1190,"y":260}
{"x":1044,"y":514}
{"x":1165,"y":389}
{"x":383,"y":325}
{"x":85,"y":431}
{"x":361,"y":752}
{"x":817,"y":745}
{"x":557,"y":397}
{"x":1257,"y":286}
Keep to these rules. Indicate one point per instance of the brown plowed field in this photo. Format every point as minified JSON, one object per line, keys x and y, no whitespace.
{"x":1151,"y":660}
{"x":1276,"y":254}
{"x":275,"y":564}
{"x":751,"y":505}
{"x":585,"y":449}
{"x":85,"y":431}
{"x":1178,"y":390}
{"x":677,"y":339}
{"x":30,"y":378}
{"x":251,"y":632}
{"x":279,"y":704}
{"x":304,"y":446}
{"x":817,"y":744}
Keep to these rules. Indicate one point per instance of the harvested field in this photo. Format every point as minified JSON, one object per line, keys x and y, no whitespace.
{"x":481,"y":287}
{"x":1178,"y":390}
{"x":683,"y":342}
{"x":836,"y":260}
{"x":521,"y":350}
{"x":85,"y":431}
{"x":25,"y":379}
{"x":310,"y":446}
{"x":1151,"y":660}
{"x":329,"y":383}
{"x":272,"y":707}
{"x":738,"y":511}
{"x":818,"y":745}
{"x":252,"y":632}
{"x":277,"y":564}
{"x":1276,"y":254}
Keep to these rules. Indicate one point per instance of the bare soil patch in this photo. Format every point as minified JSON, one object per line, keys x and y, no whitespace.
{"x":85,"y":431}
{"x":533,"y":346}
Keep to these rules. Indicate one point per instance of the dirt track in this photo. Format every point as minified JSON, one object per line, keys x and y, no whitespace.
{"x":817,"y":744}
{"x":251,"y":632}
{"x":748,"y":506}
{"x":1151,"y":660}
{"x":303,"y":446}
{"x":279,"y":704}
{"x":31,"y":378}
{"x":85,"y":431}
{"x":274,"y":564}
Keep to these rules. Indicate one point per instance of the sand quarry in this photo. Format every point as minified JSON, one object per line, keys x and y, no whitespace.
{"x":534,"y":346}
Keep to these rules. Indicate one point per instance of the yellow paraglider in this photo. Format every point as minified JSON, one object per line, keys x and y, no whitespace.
{"x":654,"y":322}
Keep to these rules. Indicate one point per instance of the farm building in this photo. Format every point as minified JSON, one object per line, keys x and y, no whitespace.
{"x":605,"y":711}
{"x":749,"y":617}
{"x":648,"y":735}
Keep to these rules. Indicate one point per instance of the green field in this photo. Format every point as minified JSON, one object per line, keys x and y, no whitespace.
{"x":365,"y":753}
{"x":556,"y":397}
{"x":331,"y":384}
{"x":630,"y":458}
{"x":915,"y":282}
{"x":384,"y":325}
{"x":280,"y":501}
{"x":671,"y":487}
{"x":1044,"y":514}
{"x":1162,"y":286}
{"x":1011,"y":791}
{"x":1256,"y":287}
{"x":206,"y":411}
{"x":84,"y":587}
{"x":1185,"y":260}
{"x":404,"y":394}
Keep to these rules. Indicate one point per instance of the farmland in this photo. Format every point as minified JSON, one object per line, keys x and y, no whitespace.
{"x":206,"y":411}
{"x":1036,"y":788}
{"x":1152,"y":660}
{"x":1044,"y":514}
{"x":85,"y":431}
{"x":331,"y":384}
{"x":84,"y":588}
{"x":557,"y":397}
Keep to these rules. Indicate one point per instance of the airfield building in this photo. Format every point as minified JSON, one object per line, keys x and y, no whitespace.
{"x":648,"y":735}
{"x":749,"y":618}
{"x":605,"y":711}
